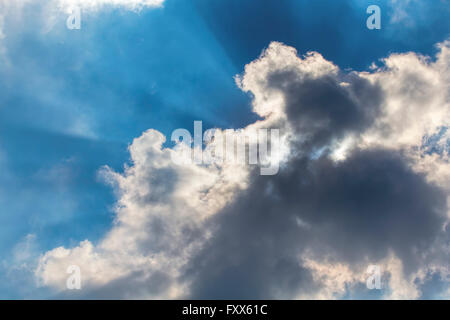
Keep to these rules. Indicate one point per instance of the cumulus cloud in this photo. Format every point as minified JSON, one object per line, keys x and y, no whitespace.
{"x":364,"y":159}
{"x":160,"y":219}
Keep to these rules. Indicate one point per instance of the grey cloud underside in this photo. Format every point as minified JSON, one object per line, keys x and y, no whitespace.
{"x":356,"y":209}
{"x":353,"y":210}
{"x":321,"y":111}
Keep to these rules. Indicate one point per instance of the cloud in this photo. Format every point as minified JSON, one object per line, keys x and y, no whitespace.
{"x":358,"y":185}
{"x":358,"y":211}
{"x":160,"y":219}
{"x":97,"y":4}
{"x":400,"y":10}
{"x":8,"y":9}
{"x":12,"y":13}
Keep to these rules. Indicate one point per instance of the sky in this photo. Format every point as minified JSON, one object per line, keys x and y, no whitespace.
{"x":87,"y":179}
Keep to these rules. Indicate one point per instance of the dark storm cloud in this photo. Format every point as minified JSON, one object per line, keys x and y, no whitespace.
{"x":357,"y":209}
{"x":264,"y":243}
{"x":363,"y":207}
{"x":322,"y":109}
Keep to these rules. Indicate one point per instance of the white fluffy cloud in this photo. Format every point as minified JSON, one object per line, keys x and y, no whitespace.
{"x":417,"y":98}
{"x":163,"y":208}
{"x":416,"y":108}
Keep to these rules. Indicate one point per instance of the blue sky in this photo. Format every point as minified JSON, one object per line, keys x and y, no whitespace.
{"x":71,"y":101}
